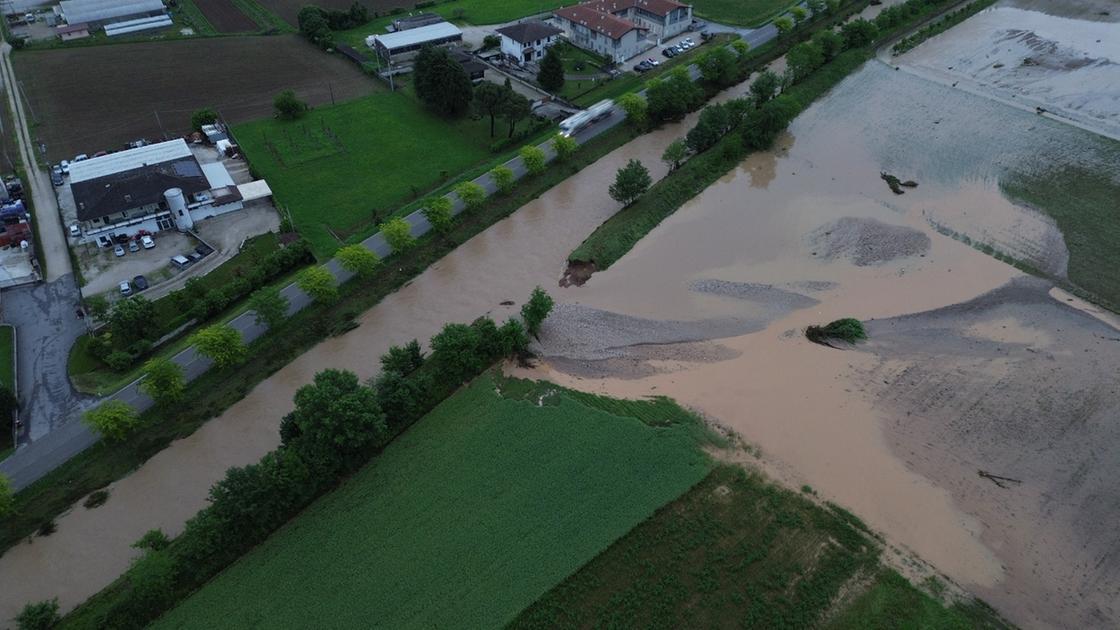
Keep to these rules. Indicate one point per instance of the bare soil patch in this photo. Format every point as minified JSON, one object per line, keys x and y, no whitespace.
{"x":99,"y":97}
{"x":225,"y":17}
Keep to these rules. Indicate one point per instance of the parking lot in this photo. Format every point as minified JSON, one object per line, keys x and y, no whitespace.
{"x":104,"y":271}
{"x":655,"y":53}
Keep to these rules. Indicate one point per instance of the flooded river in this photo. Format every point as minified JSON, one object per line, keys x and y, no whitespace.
{"x":811,"y":221}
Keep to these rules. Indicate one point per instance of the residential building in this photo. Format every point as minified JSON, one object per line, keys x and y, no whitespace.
{"x":152,"y":188}
{"x":527,"y":41}
{"x":615,"y":38}
{"x":661,"y":18}
{"x":405,"y":44}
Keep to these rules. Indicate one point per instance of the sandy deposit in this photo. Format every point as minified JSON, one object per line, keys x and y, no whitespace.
{"x":1067,"y":65}
{"x":868,"y":241}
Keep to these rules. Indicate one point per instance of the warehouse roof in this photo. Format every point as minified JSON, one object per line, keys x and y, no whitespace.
{"x":130,"y":159}
{"x":77,"y":11}
{"x":417,"y":36}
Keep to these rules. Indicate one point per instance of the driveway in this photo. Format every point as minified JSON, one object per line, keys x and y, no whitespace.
{"x":46,"y":321}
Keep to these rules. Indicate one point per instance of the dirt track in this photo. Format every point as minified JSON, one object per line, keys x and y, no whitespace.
{"x":99,"y":97}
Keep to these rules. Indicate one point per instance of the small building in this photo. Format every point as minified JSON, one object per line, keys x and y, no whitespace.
{"x":72,"y":32}
{"x":527,"y":41}
{"x":615,"y":38}
{"x":475,"y":69}
{"x":151,"y":188}
{"x":96,"y":13}
{"x":138,"y":25}
{"x":416,"y":21}
{"x":405,"y":44}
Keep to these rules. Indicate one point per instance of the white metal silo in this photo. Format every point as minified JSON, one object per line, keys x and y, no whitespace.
{"x":177,"y":204}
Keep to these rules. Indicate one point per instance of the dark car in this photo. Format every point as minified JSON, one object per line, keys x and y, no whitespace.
{"x":140,"y":282}
{"x":56,"y":176}
{"x":194,"y":257}
{"x":204,"y":250}
{"x":669,"y":52}
{"x":642,"y":67}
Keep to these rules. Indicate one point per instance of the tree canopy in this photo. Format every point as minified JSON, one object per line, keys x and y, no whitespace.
{"x":358,"y":260}
{"x":551,"y":74}
{"x":536,"y":310}
{"x":437,"y":211}
{"x":441,"y":82}
{"x":113,"y":419}
{"x":631,"y":182}
{"x":288,"y":107}
{"x":222,"y":344}
{"x":398,"y":233}
{"x":163,"y":381}
{"x":318,"y":283}
{"x":270,"y":308}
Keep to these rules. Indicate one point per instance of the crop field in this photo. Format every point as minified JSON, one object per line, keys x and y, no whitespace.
{"x":85,"y":101}
{"x":739,"y":552}
{"x":225,"y":16}
{"x":750,"y":13}
{"x":467,"y":518}
{"x":472,"y":11}
{"x":338,"y":168}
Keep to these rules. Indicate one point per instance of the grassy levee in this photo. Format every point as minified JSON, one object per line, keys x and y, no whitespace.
{"x":216,"y":390}
{"x":618,"y":234}
{"x":1083,"y":204}
{"x":467,"y":518}
{"x":738,"y":551}
{"x":749,"y":13}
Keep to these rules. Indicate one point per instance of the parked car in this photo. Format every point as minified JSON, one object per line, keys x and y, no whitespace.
{"x":147,"y":242}
{"x":140,"y":282}
{"x":100,"y":153}
{"x":133,"y":246}
{"x":180,"y":262}
{"x":204,"y":250}
{"x":653,"y":62}
{"x":194,"y":257}
{"x":642,"y":67}
{"x":126,"y":288}
{"x":669,"y":52}
{"x":65,"y":166}
{"x":680,"y":49}
{"x":118,"y":251}
{"x":81,"y":157}
{"x":688,"y":40}
{"x":75,"y":231}
{"x":56,"y":176}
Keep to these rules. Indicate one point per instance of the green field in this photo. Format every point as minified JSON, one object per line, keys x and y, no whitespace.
{"x":341,"y":166}
{"x":467,"y":518}
{"x":739,"y":552}
{"x":750,"y":13}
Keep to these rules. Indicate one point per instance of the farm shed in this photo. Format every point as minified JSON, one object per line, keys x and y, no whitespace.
{"x":73,"y":31}
{"x":137,"y":25}
{"x":100,"y":12}
{"x":404,"y":43}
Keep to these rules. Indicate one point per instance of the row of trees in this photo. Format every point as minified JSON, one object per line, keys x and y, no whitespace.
{"x":317,"y":24}
{"x":336,"y":425}
{"x":500,"y":101}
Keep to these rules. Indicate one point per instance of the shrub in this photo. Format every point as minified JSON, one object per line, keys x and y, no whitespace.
{"x":489,"y":42}
{"x":848,"y":329}
{"x":438,"y":212}
{"x":564,"y":146}
{"x":403,"y":360}
{"x":502,"y":177}
{"x":471,"y":194}
{"x":39,"y":616}
{"x":113,"y":419}
{"x":319,"y":284}
{"x":163,"y":381}
{"x":536,"y":310}
{"x":534,"y":160}
{"x":398,"y":233}
{"x":119,"y":360}
{"x":674,"y":154}
{"x":205,"y":116}
{"x":359,"y":260}
{"x":96,"y":499}
{"x":152,"y":540}
{"x":288,"y":107}
{"x":7,"y":496}
{"x":221,"y":344}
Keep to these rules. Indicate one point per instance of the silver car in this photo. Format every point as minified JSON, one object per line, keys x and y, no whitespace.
{"x":118,"y":251}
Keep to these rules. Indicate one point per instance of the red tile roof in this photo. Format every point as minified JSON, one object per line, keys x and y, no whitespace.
{"x":612,"y":26}
{"x":657,"y":7}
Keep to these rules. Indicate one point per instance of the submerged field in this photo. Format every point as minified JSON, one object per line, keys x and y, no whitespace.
{"x":340,"y":168}
{"x":497,"y":495}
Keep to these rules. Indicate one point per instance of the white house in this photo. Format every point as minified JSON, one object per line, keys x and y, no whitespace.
{"x":615,"y":38}
{"x":527,"y":41}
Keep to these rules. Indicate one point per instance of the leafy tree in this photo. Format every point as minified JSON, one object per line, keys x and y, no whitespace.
{"x":288,"y":107}
{"x":829,"y":42}
{"x":113,"y":419}
{"x":204,"y":116}
{"x":858,"y":33}
{"x":7,"y":496}
{"x":98,"y":306}
{"x":221,"y":344}
{"x":534,"y":160}
{"x":152,"y":540}
{"x":359,"y":14}
{"x":270,"y":308}
{"x":763,"y":124}
{"x":337,"y":414}
{"x":804,"y":58}
{"x":134,"y":318}
{"x":457,"y":347}
{"x":471,"y":194}
{"x":536,"y":310}
{"x":359,"y":260}
{"x":39,"y":615}
{"x":764,"y":87}
{"x":564,"y":146}
{"x":502,"y":177}
{"x":490,"y":42}
{"x":513,"y":337}
{"x":799,"y":15}
{"x":152,"y":582}
{"x":833,"y":6}
{"x":741,"y":48}
{"x":713,"y":123}
{"x":817,"y":6}
{"x":551,"y":74}
{"x":314,"y":26}
{"x":673,"y":96}
{"x":402,"y":399}
{"x":784,"y":26}
{"x":118,"y":360}
{"x":636,"y":108}
{"x":489,"y":100}
{"x":403,"y":360}
{"x":319,"y":284}
{"x":163,"y":381}
{"x":515,"y":109}
{"x":631,"y":182}
{"x":718,"y":66}
{"x":438,"y":212}
{"x":674,"y":154}
{"x":398,"y":233}
{"x":441,"y":82}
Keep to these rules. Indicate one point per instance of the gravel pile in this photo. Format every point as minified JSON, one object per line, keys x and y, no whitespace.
{"x":868,"y":241}
{"x":766,"y":294}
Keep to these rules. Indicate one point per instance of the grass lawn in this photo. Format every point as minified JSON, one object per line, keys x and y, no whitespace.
{"x":467,"y":518}
{"x":737,"y":551}
{"x":340,"y":166}
{"x":7,"y":356}
{"x":751,"y":13}
{"x":1083,"y":204}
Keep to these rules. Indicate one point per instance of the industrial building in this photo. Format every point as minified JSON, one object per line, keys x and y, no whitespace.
{"x":405,"y":44}
{"x":152,"y":188}
{"x":95,"y":13}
